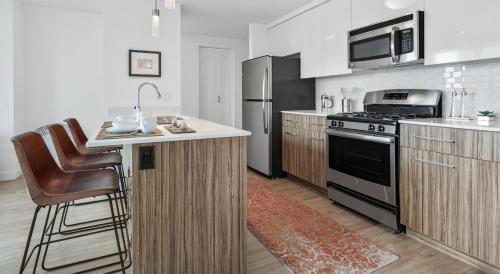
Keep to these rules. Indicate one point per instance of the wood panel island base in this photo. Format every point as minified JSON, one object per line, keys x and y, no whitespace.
{"x":190,"y":211}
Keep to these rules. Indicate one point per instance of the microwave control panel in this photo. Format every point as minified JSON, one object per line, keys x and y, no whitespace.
{"x":406,"y":38}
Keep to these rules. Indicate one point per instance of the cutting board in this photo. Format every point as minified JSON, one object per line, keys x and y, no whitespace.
{"x":176,"y":130}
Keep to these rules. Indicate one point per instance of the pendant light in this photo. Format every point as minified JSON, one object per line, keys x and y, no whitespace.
{"x":155,"y":24}
{"x":170,"y":4}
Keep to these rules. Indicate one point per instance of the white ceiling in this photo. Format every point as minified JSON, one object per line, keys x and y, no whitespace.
{"x":230,"y":18}
{"x":80,"y":5}
{"x":226,"y":18}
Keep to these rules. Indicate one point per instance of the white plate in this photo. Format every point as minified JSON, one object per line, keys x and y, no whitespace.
{"x":120,"y":130}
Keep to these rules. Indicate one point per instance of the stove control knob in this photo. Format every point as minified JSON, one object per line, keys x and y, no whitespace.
{"x":381,"y":128}
{"x":341,"y":124}
{"x":371,"y":127}
{"x":334,"y":123}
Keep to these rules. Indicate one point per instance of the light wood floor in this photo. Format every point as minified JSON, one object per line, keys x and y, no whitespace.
{"x":16,"y":211}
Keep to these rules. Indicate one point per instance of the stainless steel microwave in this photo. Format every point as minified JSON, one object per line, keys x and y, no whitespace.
{"x":395,"y":42}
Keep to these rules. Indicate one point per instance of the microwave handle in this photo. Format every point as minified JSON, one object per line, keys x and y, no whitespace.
{"x":394,"y":55}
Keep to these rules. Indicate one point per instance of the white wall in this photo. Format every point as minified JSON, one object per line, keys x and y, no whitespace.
{"x":190,"y":70}
{"x":127,"y":25}
{"x":8,"y":164}
{"x":258,"y":40}
{"x":76,"y":61}
{"x":481,"y":78}
{"x":63,"y":67}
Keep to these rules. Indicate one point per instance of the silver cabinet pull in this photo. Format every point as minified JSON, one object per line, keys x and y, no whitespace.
{"x":289,"y":133}
{"x":434,"y":163}
{"x":435,"y":139}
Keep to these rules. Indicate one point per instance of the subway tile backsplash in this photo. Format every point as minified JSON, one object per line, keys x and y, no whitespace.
{"x":481,"y":79}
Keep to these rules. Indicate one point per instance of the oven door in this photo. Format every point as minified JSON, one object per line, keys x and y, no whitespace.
{"x":363,"y":163}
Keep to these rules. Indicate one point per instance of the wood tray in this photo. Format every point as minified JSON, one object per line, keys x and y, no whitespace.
{"x":176,"y":130}
{"x":104,"y":135}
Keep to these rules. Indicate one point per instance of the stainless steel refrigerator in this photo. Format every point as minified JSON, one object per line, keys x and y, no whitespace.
{"x":270,"y":85}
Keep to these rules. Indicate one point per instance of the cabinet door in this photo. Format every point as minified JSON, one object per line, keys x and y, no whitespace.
{"x":336,"y":18}
{"x":461,"y":30}
{"x":284,"y":39}
{"x":324,"y":39}
{"x":317,"y":158}
{"x":366,"y":12}
{"x":485,"y":192}
{"x":311,"y":63}
{"x":437,"y":196}
{"x":289,"y":150}
{"x":303,"y":153}
{"x":397,"y":8}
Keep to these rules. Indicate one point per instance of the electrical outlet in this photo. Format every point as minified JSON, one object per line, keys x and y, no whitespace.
{"x":146,"y":157}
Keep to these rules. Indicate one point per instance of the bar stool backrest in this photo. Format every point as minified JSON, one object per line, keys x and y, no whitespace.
{"x":64,"y":146}
{"x":78,"y":134}
{"x":37,"y":164}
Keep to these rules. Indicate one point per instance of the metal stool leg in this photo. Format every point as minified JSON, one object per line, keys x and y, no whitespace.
{"x":122,"y":263}
{"x":28,"y":242}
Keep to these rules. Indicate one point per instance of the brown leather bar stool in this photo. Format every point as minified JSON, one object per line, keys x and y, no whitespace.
{"x":71,"y":159}
{"x":81,"y":139}
{"x":49,"y":186}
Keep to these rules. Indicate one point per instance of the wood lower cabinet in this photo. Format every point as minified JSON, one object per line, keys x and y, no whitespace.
{"x":316,"y":151}
{"x":452,"y":199}
{"x":304,"y":147}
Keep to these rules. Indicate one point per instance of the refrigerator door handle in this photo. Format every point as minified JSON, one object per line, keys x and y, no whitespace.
{"x":265,"y":85}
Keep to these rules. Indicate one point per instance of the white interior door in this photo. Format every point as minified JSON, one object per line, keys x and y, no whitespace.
{"x":216,"y":85}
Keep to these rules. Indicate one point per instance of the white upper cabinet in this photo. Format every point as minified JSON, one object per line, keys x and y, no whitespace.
{"x":366,"y":12}
{"x":461,"y":30}
{"x":324,"y":39}
{"x":337,"y":18}
{"x":397,"y":8}
{"x":284,"y":39}
{"x":311,"y":59}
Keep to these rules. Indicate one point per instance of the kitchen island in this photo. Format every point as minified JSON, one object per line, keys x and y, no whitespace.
{"x":189,"y":204}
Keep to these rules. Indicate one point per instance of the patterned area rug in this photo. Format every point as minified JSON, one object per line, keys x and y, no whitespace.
{"x":303,"y":239}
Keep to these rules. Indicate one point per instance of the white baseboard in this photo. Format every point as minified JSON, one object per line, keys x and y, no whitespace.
{"x":10,"y":175}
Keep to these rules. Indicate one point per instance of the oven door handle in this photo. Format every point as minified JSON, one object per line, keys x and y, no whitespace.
{"x":379,"y":139}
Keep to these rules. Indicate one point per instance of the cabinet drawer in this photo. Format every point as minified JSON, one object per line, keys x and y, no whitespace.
{"x":316,"y":123}
{"x":293,"y":120}
{"x":489,"y":146}
{"x":439,"y":139}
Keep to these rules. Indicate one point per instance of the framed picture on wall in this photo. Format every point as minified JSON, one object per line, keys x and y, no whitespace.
{"x":144,"y":63}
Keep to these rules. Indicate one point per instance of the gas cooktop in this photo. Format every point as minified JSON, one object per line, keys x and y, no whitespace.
{"x":376,"y":116}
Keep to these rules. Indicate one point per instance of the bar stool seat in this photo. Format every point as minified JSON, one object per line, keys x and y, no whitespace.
{"x":70,"y":186}
{"x":89,"y":150}
{"x":81,"y":139}
{"x":71,"y":159}
{"x":92,"y":161}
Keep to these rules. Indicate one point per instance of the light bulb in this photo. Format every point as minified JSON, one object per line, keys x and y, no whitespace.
{"x":170,"y":4}
{"x":155,"y":24}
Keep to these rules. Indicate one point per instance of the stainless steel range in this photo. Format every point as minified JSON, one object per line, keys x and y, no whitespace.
{"x":362,"y":165}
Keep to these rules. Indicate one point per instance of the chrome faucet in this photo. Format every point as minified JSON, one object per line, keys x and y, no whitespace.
{"x":138,"y":106}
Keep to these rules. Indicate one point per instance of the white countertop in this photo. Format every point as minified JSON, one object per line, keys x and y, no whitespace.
{"x":204,"y":130}
{"x":442,"y":122}
{"x":317,"y":112}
